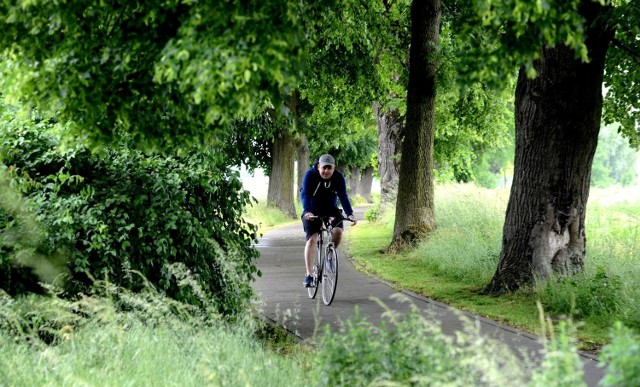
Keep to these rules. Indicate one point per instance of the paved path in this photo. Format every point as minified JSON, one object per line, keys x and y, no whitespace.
{"x":285,"y":301}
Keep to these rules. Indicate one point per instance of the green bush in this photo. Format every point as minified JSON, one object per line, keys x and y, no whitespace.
{"x":584,"y":295}
{"x":561,"y":365}
{"x":412,"y":350}
{"x":621,"y":358}
{"x":120,"y":211}
{"x":373,"y":213}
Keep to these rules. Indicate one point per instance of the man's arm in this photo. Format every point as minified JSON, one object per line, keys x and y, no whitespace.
{"x":342,"y":195}
{"x":305,"y":197}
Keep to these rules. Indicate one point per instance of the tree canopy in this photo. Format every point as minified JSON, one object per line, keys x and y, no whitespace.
{"x":501,"y":36}
{"x":177,"y":71}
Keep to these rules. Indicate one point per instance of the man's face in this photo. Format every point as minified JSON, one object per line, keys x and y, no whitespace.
{"x":326,"y":171}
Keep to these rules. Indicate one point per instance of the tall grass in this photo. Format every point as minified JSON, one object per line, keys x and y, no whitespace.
{"x":466,"y":245}
{"x":267,"y":216}
{"x":117,"y":338}
{"x":411,"y":349}
{"x":137,"y":354}
{"x":467,"y":242}
{"x":609,"y":287}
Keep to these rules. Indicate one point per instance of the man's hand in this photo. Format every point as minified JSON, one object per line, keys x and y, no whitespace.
{"x":353,"y":219}
{"x":308,"y":216}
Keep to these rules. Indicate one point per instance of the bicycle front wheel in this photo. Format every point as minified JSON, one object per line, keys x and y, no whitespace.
{"x":330,"y":275}
{"x":317,"y":273}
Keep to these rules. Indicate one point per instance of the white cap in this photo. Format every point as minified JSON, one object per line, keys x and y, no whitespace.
{"x":327,"y":159}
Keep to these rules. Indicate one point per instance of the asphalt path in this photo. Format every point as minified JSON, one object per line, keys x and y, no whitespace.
{"x":284,"y":300}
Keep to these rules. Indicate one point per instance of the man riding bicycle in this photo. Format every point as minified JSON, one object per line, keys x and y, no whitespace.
{"x":321,"y":187}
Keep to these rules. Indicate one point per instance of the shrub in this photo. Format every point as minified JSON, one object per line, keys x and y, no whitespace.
{"x":412,"y":350}
{"x":561,"y":365}
{"x":584,"y":295}
{"x":373,"y":213}
{"x":621,"y":358}
{"x":121,"y":211}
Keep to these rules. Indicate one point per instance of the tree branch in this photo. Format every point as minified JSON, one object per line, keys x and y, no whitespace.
{"x":632,"y":51}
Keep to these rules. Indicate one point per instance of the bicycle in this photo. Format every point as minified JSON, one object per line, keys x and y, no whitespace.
{"x":325,"y":266}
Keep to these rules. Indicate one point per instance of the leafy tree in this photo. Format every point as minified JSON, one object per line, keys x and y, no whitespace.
{"x":468,"y":120}
{"x":120,"y":213}
{"x":166,"y":72}
{"x":569,"y":46}
{"x":415,"y":211}
{"x":336,"y":86}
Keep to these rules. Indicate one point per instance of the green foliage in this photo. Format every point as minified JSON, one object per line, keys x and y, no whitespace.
{"x":561,"y":366}
{"x":621,"y":357}
{"x":354,"y":146}
{"x":621,"y":104}
{"x":585,"y":295}
{"x":114,"y":337}
{"x":412,"y":350}
{"x":341,"y":81}
{"x":494,"y":167}
{"x":167,"y":72}
{"x":614,"y":161}
{"x":373,"y":213}
{"x":471,"y":120}
{"x":500,"y":36}
{"x":121,"y":211}
{"x":249,"y":142}
{"x":357,"y":56}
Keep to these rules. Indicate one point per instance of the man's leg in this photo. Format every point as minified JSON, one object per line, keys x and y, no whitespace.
{"x":310,"y":253}
{"x":336,"y":236}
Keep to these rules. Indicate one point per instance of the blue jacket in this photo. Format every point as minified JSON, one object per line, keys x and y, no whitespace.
{"x":320,"y":196}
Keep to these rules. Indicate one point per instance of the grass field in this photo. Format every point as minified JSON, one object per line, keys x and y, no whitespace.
{"x":114,"y":337}
{"x":460,"y":257}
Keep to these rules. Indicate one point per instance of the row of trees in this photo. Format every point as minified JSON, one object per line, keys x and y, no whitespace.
{"x":436,"y":80}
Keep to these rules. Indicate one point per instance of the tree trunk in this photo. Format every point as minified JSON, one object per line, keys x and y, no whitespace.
{"x":366,"y":181}
{"x":557,"y":123}
{"x":280,"y":191}
{"x":303,"y":161}
{"x":415,"y":213}
{"x":389,"y":141}
{"x":353,"y":180}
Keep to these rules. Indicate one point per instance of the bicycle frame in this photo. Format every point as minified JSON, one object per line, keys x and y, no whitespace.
{"x":325,"y":246}
{"x":320,"y":245}
{"x":327,"y":229}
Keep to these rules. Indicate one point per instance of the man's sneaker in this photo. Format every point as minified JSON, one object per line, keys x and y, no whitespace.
{"x":308,"y":281}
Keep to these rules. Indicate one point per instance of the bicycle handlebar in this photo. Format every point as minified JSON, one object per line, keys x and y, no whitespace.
{"x":325,"y":219}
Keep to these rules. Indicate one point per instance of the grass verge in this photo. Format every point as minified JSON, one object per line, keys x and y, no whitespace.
{"x":459,"y":258}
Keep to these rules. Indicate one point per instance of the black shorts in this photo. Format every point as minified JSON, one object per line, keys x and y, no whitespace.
{"x":313,"y":226}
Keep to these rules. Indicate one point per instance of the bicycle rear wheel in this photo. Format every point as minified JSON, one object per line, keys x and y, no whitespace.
{"x":330,"y":275}
{"x":317,"y":273}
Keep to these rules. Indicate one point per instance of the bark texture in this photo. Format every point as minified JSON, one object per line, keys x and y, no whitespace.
{"x":389,"y":140}
{"x":353,"y":180}
{"x":280,"y":191}
{"x":415,"y":214}
{"x":366,"y":181}
{"x":557,"y":123}
{"x":303,"y":161}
